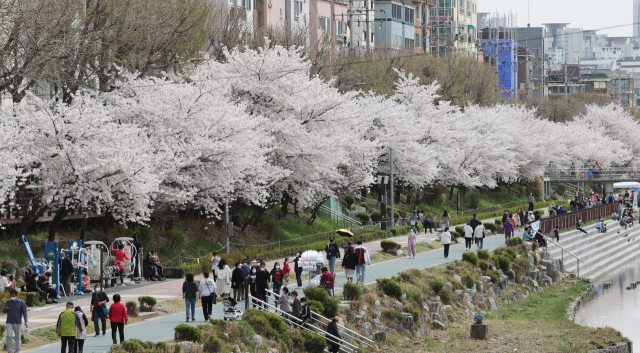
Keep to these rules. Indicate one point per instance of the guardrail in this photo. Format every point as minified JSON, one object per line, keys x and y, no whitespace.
{"x":569,"y":220}
{"x":338,"y":217}
{"x":578,"y":260}
{"x":582,"y":174}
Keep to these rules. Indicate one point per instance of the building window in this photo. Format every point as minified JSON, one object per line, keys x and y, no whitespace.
{"x":396,"y":12}
{"x":255,"y":5}
{"x":325,"y":25}
{"x":339,"y":27}
{"x":418,"y":13}
{"x":408,"y":43}
{"x":418,"y":41}
{"x":297,"y":9}
{"x":408,"y":15}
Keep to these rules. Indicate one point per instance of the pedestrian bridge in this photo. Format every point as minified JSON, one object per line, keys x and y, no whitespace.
{"x":600,"y":175}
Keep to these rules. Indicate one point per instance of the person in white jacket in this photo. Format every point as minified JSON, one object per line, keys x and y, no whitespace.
{"x":223,"y":281}
{"x":445,"y":239}
{"x":479,"y":234}
{"x":468,"y":236}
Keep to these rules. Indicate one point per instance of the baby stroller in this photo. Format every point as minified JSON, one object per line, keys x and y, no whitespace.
{"x":229,"y":310}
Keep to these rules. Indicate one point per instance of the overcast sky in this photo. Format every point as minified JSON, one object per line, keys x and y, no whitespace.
{"x":585,"y":14}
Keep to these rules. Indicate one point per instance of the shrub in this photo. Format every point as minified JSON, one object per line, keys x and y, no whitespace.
{"x":396,"y":215}
{"x":498,"y":222}
{"x":309,"y":342}
{"x":269,"y":326}
{"x":441,"y":200}
{"x":182,"y":271}
{"x":184,"y":332}
{"x":376,"y":216}
{"x":501,"y":262}
{"x":455,"y":235}
{"x":471,"y":258}
{"x":495,"y":276}
{"x":349,"y":199}
{"x":490,"y":226}
{"x":3,"y":328}
{"x":514,"y":241}
{"x":403,"y":214}
{"x":344,"y":204}
{"x":29,"y":298}
{"x":364,"y":204}
{"x":363,"y":217}
{"x":212,"y":345}
{"x":389,"y":287}
{"x":436,"y":285}
{"x":445,"y":296}
{"x":390,"y":246}
{"x":484,"y":265}
{"x":132,"y":308}
{"x":331,"y":306}
{"x":351,"y":291}
{"x":174,"y":239}
{"x":534,"y":245}
{"x":483,"y":254}
{"x":315,"y":306}
{"x":460,"y":230}
{"x":146,"y":303}
{"x":469,"y":280}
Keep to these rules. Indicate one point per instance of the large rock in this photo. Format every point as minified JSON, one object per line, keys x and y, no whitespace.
{"x":467,"y":299}
{"x":367,"y":330}
{"x":480,"y":299}
{"x":360,"y":209}
{"x":535,"y":284}
{"x":473,"y":294}
{"x":492,"y":304}
{"x":457,"y":278}
{"x":491,"y":292}
{"x":437,"y":325}
{"x":526,"y":280}
{"x":450,"y":317}
{"x":408,"y":323}
{"x":504,"y":282}
{"x":535,"y":274}
{"x":429,"y":245}
{"x":257,"y":342}
{"x":447,"y":309}
{"x":420,"y":333}
{"x":381,"y":336}
{"x":435,"y":316}
{"x":512,"y":275}
{"x":400,"y":329}
{"x":480,"y":286}
{"x":377,"y":308}
{"x":236,"y":349}
{"x":376,"y":324}
{"x":433,"y":296}
{"x":399,"y":253}
{"x":186,"y":347}
{"x":546,"y":281}
{"x":530,"y":258}
{"x":448,"y":286}
{"x":457,"y":292}
{"x":435,"y":307}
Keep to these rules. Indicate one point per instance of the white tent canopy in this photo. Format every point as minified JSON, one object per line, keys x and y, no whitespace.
{"x":626,"y":185}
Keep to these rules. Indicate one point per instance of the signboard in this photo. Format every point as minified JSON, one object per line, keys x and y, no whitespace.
{"x":51,"y":255}
{"x":383,"y":207}
{"x":590,"y":175}
{"x":535,"y":225}
{"x":635,"y":196}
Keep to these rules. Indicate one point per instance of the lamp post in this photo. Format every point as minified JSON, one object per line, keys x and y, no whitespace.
{"x":391,"y":185}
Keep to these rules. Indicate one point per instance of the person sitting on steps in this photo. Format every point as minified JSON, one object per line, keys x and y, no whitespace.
{"x":579,"y":226}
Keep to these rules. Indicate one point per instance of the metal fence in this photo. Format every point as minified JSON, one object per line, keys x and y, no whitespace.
{"x":569,"y":220}
{"x":583,"y":174}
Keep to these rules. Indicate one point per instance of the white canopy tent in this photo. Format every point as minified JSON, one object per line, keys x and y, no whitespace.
{"x":626,"y":185}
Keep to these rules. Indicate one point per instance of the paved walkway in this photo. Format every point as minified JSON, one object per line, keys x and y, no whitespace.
{"x":162,"y":328}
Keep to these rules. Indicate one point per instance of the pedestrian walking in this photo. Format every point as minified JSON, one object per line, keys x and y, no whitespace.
{"x":283,"y":301}
{"x":215,"y":259}
{"x":349,"y":263}
{"x":474,"y":222}
{"x":333,"y":335}
{"x":297,"y":268}
{"x":478,"y":233}
{"x":521,"y":217}
{"x":277,"y":277}
{"x":445,"y":219}
{"x":251,"y":282}
{"x":286,"y":269}
{"x":118,"y":317}
{"x":190,"y":296}
{"x":297,"y":306}
{"x":326,"y":281}
{"x":508,"y":230}
{"x":81,"y":332}
{"x":333,"y":252}
{"x":99,"y":310}
{"x":411,"y":244}
{"x":207,"y":295}
{"x":66,"y":327}
{"x":413,"y":220}
{"x":426,"y":224}
{"x":223,"y":278}
{"x":468,"y":236}
{"x":579,"y":226}
{"x":263,"y":278}
{"x":16,"y":310}
{"x":445,"y":239}
{"x":531,"y":201}
{"x":237,"y":281}
{"x":362,"y":260}
{"x":246,"y":270}
{"x":555,"y":233}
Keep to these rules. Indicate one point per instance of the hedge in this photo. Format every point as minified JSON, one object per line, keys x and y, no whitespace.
{"x":390,"y":246}
{"x":29,"y":298}
{"x":186,"y":332}
{"x":182,"y":271}
{"x":499,"y":212}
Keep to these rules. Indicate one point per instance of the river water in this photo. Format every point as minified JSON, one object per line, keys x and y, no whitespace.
{"x":616,"y":307}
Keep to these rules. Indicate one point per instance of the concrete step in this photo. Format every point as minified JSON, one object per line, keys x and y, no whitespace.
{"x":632,"y":255}
{"x":612,"y":262}
{"x":146,"y":315}
{"x":579,"y":241}
{"x":592,"y":244}
{"x":607,"y":251}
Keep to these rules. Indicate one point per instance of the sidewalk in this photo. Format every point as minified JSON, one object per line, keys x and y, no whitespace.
{"x":162,"y":328}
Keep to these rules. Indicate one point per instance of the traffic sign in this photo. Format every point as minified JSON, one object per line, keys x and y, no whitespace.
{"x":590,"y":175}
{"x":632,"y":174}
{"x":582,"y":174}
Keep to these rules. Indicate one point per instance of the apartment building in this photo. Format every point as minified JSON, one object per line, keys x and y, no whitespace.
{"x":453,"y":27}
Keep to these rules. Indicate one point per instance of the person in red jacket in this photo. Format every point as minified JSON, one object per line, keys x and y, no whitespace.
{"x":118,"y":316}
{"x":121,"y":255}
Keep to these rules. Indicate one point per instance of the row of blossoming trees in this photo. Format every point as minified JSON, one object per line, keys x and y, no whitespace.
{"x":259,"y":128}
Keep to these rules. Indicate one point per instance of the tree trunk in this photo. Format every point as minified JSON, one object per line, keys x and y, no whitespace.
{"x":83,"y":235}
{"x":105,"y":222}
{"x":284,"y":205}
{"x":363,"y":192}
{"x":314,"y":210}
{"x":397,"y":196}
{"x":57,"y":220}
{"x":451,"y":193}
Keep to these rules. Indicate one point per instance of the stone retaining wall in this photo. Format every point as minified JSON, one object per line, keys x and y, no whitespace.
{"x":622,"y":347}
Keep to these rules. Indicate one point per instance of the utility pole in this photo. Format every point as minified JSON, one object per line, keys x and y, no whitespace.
{"x":351,"y":48}
{"x":367,"y":36}
{"x":391,"y":184}
{"x":566,"y":77}
{"x":425,"y":8}
{"x":437,"y":28}
{"x":226,"y":220}
{"x":333,"y":31}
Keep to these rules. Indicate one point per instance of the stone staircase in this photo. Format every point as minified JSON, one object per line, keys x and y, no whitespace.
{"x":601,"y":252}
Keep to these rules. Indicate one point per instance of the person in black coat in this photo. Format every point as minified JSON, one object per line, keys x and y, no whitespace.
{"x":333,"y":253}
{"x":263,"y":278}
{"x":237,"y":281}
{"x":349,"y":263}
{"x":297,"y":268}
{"x":149,"y":268}
{"x":333,"y":335}
{"x":66,"y":271}
{"x":277,"y":277}
{"x":43,"y":284}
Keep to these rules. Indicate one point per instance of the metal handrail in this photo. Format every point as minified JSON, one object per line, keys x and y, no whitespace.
{"x":563,"y":250}
{"x":333,"y":340}
{"x":367,"y":341}
{"x":343,"y":217}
